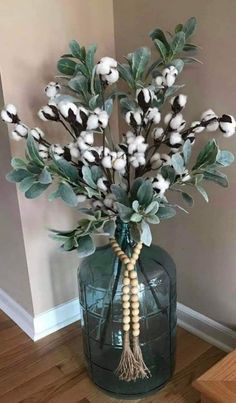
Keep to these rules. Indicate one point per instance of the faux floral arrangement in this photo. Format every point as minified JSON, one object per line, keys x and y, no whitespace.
{"x":125,"y":179}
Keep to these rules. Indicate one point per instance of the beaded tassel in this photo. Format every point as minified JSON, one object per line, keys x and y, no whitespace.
{"x":132,"y":365}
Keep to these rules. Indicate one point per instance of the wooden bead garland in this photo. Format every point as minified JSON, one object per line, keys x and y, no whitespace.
{"x":132,"y":365}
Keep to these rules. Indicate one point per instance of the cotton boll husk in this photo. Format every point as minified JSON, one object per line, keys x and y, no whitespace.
{"x":227,"y":125}
{"x":176,"y":121}
{"x":92,"y":122}
{"x":160,"y":185}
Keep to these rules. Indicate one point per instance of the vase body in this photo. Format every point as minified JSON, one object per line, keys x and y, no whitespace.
{"x":100,"y":291}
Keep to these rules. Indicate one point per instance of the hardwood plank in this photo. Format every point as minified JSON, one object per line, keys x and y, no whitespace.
{"x":52,"y":370}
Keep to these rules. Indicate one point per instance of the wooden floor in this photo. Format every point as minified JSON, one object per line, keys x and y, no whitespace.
{"x":51,"y":370}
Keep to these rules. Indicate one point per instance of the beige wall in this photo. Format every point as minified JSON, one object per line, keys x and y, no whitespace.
{"x":203,"y":243}
{"x":34,"y":33}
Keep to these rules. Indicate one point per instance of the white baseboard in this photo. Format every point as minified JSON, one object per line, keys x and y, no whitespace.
{"x":206,"y":328}
{"x":62,"y":315}
{"x":43,"y":324}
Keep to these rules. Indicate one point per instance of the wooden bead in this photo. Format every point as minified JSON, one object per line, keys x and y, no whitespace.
{"x":135,"y":305}
{"x":134,"y":290}
{"x":126,"y":327}
{"x":135,"y":319}
{"x":135,"y":312}
{"x":122,"y":256}
{"x":125,"y":289}
{"x":117,"y":249}
{"x":126,"y":312}
{"x":126,"y":260}
{"x":125,"y":304}
{"x":136,"y":326}
{"x":134,"y":282}
{"x":125,"y":297}
{"x":135,"y":256}
{"x":134,"y":298}
{"x":126,"y":281}
{"x":126,"y":320}
{"x":120,"y":253}
{"x":133,"y":261}
{"x":133,"y":274}
{"x":126,"y":273}
{"x":112,"y":241}
{"x":135,"y":333}
{"x":130,"y":266}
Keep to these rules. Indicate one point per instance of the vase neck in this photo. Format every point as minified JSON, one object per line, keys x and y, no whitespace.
{"x":122,"y":233}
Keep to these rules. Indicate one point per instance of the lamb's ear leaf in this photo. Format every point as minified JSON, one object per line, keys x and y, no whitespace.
{"x":140,"y":59}
{"x":125,"y":212}
{"x":188,"y":199}
{"x":166,"y":212}
{"x":67,"y":194}
{"x":203,"y":192}
{"x":35,"y":190}
{"x":216,"y":176}
{"x":178,"y":163}
{"x":187,"y":149}
{"x":146,"y":235}
{"x":45,"y":177}
{"x":109,"y":227}
{"x":161,"y":48}
{"x":26,"y":183}
{"x":145,"y":193}
{"x":190,"y":27}
{"x":135,"y":187}
{"x":87,"y":176}
{"x":178,"y":42}
{"x":18,"y":163}
{"x":225,"y":158}
{"x":66,"y":66}
{"x":159,"y":34}
{"x":86,"y":246}
{"x":120,"y":194}
{"x":32,"y":151}
{"x":207,"y":155}
{"x":17,"y":175}
{"x":90,"y":57}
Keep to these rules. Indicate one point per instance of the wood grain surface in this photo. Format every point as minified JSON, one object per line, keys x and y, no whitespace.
{"x":52,"y":369}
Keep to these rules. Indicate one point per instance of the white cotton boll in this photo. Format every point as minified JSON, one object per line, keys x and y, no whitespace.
{"x":178,"y":102}
{"x":74,"y":151}
{"x":112,"y":77}
{"x":168,"y":118}
{"x":157,"y":133}
{"x":81,"y":198}
{"x":160,"y":184}
{"x":208,"y":115}
{"x":153,"y":115}
{"x":101,"y":184}
{"x":141,"y":148}
{"x":82,"y":112}
{"x":155,"y":161}
{"x":107,"y":162}
{"x":196,"y":128}
{"x":166,"y":159}
{"x":119,"y":163}
{"x":175,"y":138}
{"x":65,"y":107}
{"x":169,"y":80}
{"x":109,"y":201}
{"x":37,"y":133}
{"x":103,"y":119}
{"x":10,"y":108}
{"x":97,"y":204}
{"x":48,"y":112}
{"x":213,"y":126}
{"x":43,"y":151}
{"x":81,"y":144}
{"x":57,"y":151}
{"x":92,"y":122}
{"x":138,"y":118}
{"x":134,"y":162}
{"x":52,"y":89}
{"x":5,"y":117}
{"x":21,"y":129}
{"x":105,"y":64}
{"x":87,"y":137}
{"x":15,"y":136}
{"x":159,"y":80}
{"x":130,"y":136}
{"x":182,"y":100}
{"x":88,"y":156}
{"x":227,"y":125}
{"x":176,"y":121}
{"x":191,"y":138}
{"x":140,"y":158}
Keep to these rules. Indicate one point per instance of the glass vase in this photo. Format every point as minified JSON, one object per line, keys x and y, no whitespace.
{"x":100,"y":291}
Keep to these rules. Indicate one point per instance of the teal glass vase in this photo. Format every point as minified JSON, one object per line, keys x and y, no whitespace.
{"x":100,"y":292}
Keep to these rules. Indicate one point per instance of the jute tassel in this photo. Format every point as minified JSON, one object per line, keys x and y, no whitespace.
{"x":132,"y":365}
